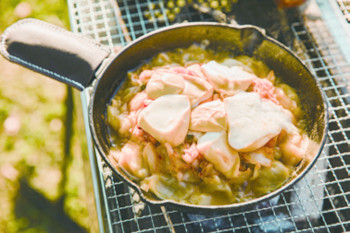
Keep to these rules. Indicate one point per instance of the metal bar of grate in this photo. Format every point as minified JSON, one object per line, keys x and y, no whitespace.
{"x":344,"y":6}
{"x":337,"y":23}
{"x":318,"y":203}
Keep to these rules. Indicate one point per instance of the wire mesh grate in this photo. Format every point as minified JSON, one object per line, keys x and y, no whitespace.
{"x":318,"y":203}
{"x":344,"y":6}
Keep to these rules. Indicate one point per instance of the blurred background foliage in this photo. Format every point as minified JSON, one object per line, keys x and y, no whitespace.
{"x":41,"y":163}
{"x":53,"y":11}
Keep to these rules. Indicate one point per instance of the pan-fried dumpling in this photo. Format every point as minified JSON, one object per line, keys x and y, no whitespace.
{"x":214,"y":147}
{"x":209,"y":117}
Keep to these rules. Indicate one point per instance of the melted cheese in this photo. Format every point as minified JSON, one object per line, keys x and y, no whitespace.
{"x":167,"y":119}
{"x":227,"y":80}
{"x":163,"y":83}
{"x":197,"y":89}
{"x":209,"y":117}
{"x":253,"y":122}
{"x":214,"y":147}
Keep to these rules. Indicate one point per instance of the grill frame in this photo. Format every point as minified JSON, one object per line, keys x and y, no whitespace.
{"x":318,"y":203}
{"x":344,"y":6}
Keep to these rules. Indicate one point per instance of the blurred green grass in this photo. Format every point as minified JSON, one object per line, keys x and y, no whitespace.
{"x":53,"y":11}
{"x":41,"y":164}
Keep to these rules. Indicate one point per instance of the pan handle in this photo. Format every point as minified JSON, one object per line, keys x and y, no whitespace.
{"x":53,"y":51}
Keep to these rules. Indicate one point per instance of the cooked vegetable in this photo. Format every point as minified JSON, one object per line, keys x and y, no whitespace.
{"x":270,"y":178}
{"x":207,"y":128}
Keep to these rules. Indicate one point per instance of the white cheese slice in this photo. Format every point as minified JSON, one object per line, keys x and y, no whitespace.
{"x":163,"y":83}
{"x":214,"y":147}
{"x":253,"y":121}
{"x":209,"y":117}
{"x":227,"y":80}
{"x":197,"y":89}
{"x":167,"y":118}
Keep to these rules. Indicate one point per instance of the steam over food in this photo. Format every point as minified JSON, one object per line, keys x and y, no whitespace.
{"x":207,"y":128}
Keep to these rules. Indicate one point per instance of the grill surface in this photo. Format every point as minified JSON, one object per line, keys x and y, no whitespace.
{"x":318,"y":203}
{"x":344,"y":6}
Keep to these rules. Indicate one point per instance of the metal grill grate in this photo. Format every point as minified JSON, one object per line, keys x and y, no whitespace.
{"x":318,"y":203}
{"x":344,"y":6}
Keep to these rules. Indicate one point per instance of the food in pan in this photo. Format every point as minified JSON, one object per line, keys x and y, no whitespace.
{"x":207,"y":128}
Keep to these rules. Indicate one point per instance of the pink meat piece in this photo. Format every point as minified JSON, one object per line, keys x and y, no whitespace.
{"x":133,"y":119}
{"x":192,"y":70}
{"x":135,"y":130}
{"x":297,"y":147}
{"x":125,"y":124}
{"x":146,"y":74}
{"x":179,"y":70}
{"x":147,"y":102}
{"x":196,"y":70}
{"x":265,"y":89}
{"x":190,"y":154}
{"x":130,"y":159}
{"x":138,"y":132}
{"x":138,"y":101}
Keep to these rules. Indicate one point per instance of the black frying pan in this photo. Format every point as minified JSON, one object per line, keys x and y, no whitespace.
{"x":81,"y":63}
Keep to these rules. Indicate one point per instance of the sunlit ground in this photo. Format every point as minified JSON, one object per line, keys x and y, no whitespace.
{"x":41,"y":169}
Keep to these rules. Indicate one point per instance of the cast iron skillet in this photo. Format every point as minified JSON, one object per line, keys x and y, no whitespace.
{"x":82,"y":63}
